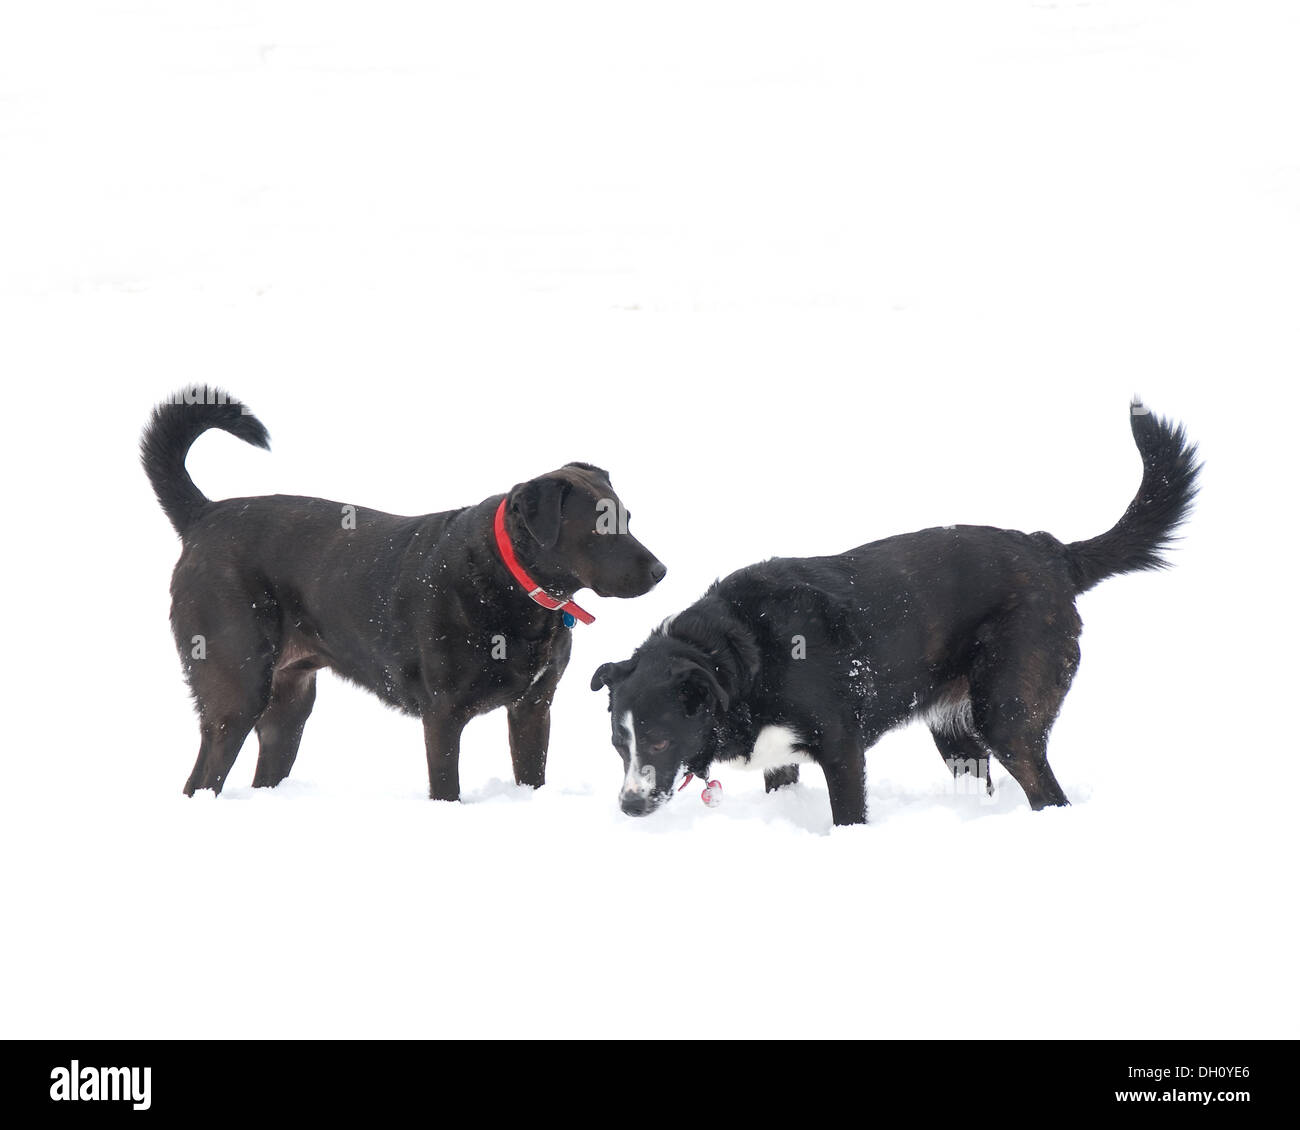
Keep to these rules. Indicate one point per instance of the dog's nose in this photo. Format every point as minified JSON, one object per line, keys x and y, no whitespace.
{"x":658,"y":571}
{"x":634,"y":805}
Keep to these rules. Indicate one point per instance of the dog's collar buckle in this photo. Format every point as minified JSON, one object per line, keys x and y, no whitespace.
{"x":536,"y":593}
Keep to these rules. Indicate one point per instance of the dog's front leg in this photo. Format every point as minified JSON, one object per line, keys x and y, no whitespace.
{"x":845,"y":769}
{"x":442,"y":747}
{"x":530,"y":735}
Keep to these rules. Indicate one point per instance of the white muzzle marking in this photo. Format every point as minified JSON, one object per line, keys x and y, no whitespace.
{"x":640,"y":779}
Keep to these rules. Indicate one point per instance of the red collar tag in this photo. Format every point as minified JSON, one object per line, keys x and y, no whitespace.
{"x":712,"y":794}
{"x":535,"y":591}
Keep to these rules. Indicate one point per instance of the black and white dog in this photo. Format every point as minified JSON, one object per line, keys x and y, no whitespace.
{"x":445,"y":616}
{"x":969,"y":628}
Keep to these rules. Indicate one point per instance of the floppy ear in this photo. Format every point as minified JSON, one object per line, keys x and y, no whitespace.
{"x":607,"y":674}
{"x":538,"y":502}
{"x":695,"y":683}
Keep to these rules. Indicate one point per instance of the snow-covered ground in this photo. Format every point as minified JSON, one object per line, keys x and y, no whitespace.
{"x":800,"y":275}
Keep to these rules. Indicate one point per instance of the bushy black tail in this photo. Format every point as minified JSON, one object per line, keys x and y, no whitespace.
{"x":173,"y":428}
{"x":1135,"y":542}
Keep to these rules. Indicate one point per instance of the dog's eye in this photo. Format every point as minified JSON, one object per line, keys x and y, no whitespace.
{"x":659,"y":747}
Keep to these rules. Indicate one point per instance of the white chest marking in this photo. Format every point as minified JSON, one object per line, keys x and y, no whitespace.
{"x":776,"y":747}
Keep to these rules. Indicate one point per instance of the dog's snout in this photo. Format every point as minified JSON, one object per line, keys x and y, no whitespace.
{"x":658,"y":571}
{"x":634,"y":804}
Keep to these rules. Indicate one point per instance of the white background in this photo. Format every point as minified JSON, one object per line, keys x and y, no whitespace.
{"x":801,"y":275}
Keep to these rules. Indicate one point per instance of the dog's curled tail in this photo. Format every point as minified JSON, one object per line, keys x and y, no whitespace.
{"x":1169,"y":473}
{"x":173,"y":428}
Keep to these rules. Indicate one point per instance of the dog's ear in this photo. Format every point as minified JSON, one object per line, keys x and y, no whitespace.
{"x":539,"y":502}
{"x":695,"y":684}
{"x":608,"y":674}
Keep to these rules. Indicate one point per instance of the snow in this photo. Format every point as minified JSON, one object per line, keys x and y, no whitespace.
{"x":800,"y":277}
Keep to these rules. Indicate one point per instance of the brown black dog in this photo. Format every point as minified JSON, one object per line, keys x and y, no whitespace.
{"x":425,"y":611}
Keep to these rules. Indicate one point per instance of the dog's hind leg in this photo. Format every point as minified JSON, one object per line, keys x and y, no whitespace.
{"x":279,"y":730}
{"x":228,"y":665}
{"x":229,"y":705}
{"x":1026,"y":760}
{"x":964,"y":753}
{"x":1024,"y":668}
{"x":774,"y":779}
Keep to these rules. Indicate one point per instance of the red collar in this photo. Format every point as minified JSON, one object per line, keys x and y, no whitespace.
{"x":531,"y":587}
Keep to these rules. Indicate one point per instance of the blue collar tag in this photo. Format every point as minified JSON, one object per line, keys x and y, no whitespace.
{"x":568,"y":619}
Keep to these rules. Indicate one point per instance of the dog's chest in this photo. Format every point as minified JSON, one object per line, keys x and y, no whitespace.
{"x":527,"y":664}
